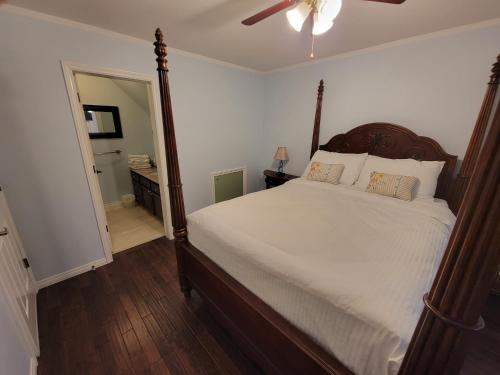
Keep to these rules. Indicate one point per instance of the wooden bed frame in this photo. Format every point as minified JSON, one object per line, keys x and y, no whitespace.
{"x":460,"y":288}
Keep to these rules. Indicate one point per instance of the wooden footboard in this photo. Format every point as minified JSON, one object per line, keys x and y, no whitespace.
{"x":262,"y":334}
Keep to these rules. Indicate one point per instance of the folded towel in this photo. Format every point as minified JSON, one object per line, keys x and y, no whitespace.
{"x":138,"y":160}
{"x":138,"y":157}
{"x":140,"y":166}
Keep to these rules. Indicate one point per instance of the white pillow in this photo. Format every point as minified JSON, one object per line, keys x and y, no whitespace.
{"x":427,"y":172}
{"x":352,"y":162}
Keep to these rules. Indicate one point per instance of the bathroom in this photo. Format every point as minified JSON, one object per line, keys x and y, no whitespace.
{"x":118,"y":117}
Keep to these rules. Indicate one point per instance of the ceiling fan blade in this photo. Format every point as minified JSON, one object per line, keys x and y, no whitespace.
{"x":388,"y":1}
{"x":269,"y":12}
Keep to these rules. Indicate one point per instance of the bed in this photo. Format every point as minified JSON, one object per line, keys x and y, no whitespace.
{"x":326,"y":258}
{"x":297,"y":308}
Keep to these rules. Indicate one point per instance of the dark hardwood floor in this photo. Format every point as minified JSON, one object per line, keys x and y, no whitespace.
{"x":129,"y":317}
{"x":483,"y":357}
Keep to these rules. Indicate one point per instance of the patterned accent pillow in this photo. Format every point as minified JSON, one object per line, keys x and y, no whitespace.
{"x":392,"y":185}
{"x":325,"y":172}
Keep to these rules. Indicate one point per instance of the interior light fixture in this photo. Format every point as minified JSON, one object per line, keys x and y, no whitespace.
{"x":321,"y":24}
{"x":329,"y":9}
{"x":298,"y":15}
{"x":323,"y":14}
{"x":324,"y":11}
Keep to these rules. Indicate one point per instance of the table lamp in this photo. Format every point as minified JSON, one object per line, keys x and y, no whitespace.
{"x":281,"y":155}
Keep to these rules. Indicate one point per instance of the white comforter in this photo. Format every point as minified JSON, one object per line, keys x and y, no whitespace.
{"x":358,"y":263}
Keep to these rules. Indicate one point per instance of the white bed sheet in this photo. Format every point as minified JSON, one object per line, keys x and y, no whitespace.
{"x":347,"y":267}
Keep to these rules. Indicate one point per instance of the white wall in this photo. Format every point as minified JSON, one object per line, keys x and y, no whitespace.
{"x":434,"y":87}
{"x":217,"y":109}
{"x":14,"y":358}
{"x":115,"y":179}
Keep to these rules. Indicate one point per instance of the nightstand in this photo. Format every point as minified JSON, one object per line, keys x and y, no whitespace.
{"x":272,"y":180}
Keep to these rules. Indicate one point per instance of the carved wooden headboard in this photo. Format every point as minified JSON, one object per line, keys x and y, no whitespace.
{"x":395,"y":142}
{"x":387,"y":141}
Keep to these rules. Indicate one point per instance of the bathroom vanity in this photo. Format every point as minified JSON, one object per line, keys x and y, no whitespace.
{"x":147,"y":190}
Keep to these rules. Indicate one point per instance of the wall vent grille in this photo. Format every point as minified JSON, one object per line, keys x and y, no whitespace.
{"x":228,"y":184}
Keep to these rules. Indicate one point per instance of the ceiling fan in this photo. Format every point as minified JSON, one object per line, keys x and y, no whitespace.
{"x":323,"y":13}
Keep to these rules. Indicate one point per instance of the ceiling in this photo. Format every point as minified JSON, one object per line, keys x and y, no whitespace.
{"x":136,"y":90}
{"x":213,"y":27}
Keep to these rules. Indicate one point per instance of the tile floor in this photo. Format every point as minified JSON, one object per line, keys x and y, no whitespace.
{"x":134,"y":226}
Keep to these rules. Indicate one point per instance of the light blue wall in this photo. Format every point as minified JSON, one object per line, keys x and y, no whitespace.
{"x":225,"y":117}
{"x":218,"y":113}
{"x":217,"y":109}
{"x":434,"y":87}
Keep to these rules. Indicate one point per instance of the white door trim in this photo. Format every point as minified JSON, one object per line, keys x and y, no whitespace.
{"x":69,"y":68}
{"x":33,"y":366}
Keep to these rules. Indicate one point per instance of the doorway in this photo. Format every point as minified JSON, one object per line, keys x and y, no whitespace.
{"x":117,"y":121}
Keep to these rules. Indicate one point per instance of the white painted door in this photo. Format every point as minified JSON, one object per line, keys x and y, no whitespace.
{"x":16,"y":280}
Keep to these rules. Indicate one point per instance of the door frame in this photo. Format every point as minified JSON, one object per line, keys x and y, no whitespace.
{"x":69,"y":70}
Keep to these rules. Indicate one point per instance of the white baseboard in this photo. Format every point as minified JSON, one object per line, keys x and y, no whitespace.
{"x":71,"y":273}
{"x":110,"y":206}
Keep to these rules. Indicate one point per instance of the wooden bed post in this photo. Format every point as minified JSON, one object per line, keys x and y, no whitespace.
{"x":469,"y":266}
{"x":317,"y":119}
{"x":177,"y":210}
{"x":472,"y":153}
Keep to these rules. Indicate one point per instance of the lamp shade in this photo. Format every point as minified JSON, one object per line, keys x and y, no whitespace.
{"x":281,"y":154}
{"x":298,"y":15}
{"x":329,"y":9}
{"x":321,"y":24}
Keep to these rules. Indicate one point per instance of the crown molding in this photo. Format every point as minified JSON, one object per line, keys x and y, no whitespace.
{"x":113,"y":34}
{"x":401,"y":42}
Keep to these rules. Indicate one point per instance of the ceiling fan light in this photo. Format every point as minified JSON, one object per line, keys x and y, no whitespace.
{"x":321,"y":25}
{"x":329,"y":9}
{"x":298,"y":15}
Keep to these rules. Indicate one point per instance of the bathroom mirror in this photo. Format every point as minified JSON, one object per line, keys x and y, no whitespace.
{"x":102,"y":121}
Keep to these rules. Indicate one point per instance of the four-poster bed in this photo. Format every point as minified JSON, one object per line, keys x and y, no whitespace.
{"x":459,"y":290}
